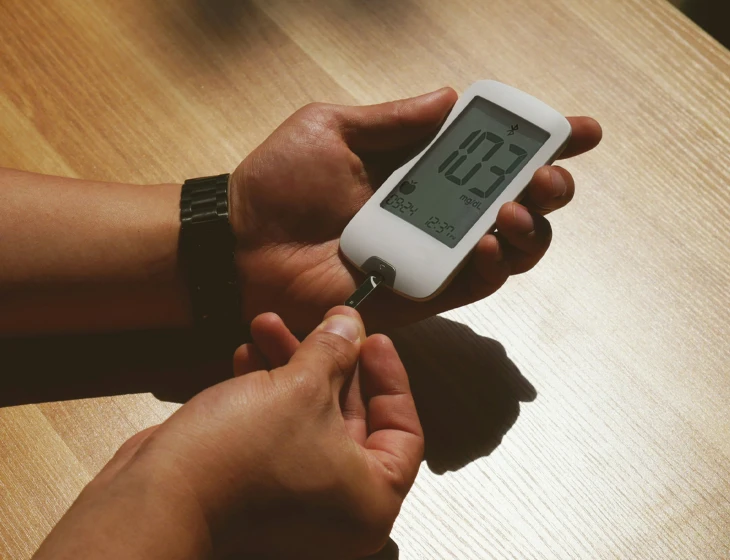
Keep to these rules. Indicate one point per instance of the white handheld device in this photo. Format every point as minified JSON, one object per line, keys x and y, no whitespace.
{"x":418,"y":228}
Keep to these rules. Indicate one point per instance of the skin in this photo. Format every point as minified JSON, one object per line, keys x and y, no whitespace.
{"x":308,"y":459}
{"x":296,"y":192}
{"x":311,"y":448}
{"x":116,"y":265}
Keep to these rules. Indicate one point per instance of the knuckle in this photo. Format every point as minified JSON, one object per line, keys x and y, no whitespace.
{"x":312,"y":108}
{"x":316,"y":125}
{"x":322,"y":113}
{"x":318,"y":106}
{"x":309,"y":387}
{"x":338,"y":352}
{"x":398,"y":479}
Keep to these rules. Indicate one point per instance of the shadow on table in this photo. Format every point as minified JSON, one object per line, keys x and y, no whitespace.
{"x":166,"y":363}
{"x":466,"y":388}
{"x":711,"y":15}
{"x":467,"y":392}
{"x":389,"y":552}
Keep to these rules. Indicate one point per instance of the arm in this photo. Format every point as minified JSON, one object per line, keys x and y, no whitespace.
{"x":87,"y":256}
{"x":84,"y":256}
{"x":129,"y":511}
{"x":307,"y":453}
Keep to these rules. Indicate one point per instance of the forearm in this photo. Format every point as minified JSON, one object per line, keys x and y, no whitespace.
{"x":84,"y":256}
{"x":136,"y":514}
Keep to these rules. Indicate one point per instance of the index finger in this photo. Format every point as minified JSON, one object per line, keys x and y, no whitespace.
{"x":395,"y":435}
{"x":586,"y":134}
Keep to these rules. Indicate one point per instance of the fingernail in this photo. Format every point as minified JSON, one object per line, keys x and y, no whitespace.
{"x":523,"y":219}
{"x":560,"y":187}
{"x":342,"y":325}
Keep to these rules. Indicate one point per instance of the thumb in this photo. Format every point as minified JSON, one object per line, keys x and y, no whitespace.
{"x":396,"y":124}
{"x":332,"y":349}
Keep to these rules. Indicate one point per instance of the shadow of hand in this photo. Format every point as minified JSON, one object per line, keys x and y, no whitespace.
{"x":166,"y":363}
{"x":389,"y":552}
{"x":467,"y":390}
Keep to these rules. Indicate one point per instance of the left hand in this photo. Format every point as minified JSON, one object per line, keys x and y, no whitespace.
{"x":293,"y":195}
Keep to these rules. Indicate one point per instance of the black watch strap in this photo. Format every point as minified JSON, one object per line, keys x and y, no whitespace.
{"x":207,"y":254}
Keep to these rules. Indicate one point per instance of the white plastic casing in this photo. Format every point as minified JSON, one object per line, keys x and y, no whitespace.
{"x":423,"y":265}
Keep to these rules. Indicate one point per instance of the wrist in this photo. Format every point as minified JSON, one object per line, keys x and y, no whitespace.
{"x":169,"y":273}
{"x":239,"y":212}
{"x":168,"y":508}
{"x":242,"y":226}
{"x":207,"y":250}
{"x":139,"y":513}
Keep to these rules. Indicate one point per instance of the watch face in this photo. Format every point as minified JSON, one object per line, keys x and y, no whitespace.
{"x":466,"y":169}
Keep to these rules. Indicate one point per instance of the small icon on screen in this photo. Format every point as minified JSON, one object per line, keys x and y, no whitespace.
{"x":407,"y":187}
{"x":512,"y":129}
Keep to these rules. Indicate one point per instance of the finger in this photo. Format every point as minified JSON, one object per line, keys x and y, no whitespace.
{"x":342,"y":310}
{"x":487,"y":269}
{"x":247,"y":359}
{"x":331,"y":350}
{"x":524,"y":230}
{"x":475,"y":281}
{"x":524,"y":236}
{"x":489,"y":266}
{"x":551,"y":188}
{"x":396,"y":124}
{"x":395,"y":434}
{"x":353,"y":409}
{"x":585,"y":135}
{"x":273,"y":339}
{"x":351,"y":405}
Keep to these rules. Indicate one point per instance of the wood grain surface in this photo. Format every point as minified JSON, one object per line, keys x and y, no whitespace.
{"x":583,"y":411}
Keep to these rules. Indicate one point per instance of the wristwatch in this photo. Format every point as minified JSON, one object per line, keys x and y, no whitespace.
{"x":207,"y":255}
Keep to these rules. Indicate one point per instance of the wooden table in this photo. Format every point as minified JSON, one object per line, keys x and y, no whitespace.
{"x":583,"y":411}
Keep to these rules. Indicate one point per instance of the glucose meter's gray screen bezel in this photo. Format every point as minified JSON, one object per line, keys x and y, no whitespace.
{"x":465,"y":171}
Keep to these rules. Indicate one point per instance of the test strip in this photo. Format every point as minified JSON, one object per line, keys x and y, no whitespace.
{"x":366,"y":288}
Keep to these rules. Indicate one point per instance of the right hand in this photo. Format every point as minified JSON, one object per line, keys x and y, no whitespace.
{"x":307,"y":453}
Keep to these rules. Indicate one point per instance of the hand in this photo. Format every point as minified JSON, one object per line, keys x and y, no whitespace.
{"x":310,"y":457}
{"x":323,"y":452}
{"x":294,"y":194}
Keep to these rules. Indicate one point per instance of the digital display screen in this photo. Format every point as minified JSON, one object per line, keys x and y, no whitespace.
{"x":466,"y":169}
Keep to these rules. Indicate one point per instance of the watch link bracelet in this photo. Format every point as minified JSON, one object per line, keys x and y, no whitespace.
{"x":207,"y":255}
